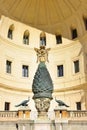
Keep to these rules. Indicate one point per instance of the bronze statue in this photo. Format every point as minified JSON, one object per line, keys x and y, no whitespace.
{"x":23,"y":103}
{"x":42,"y":86}
{"x":42,"y":54}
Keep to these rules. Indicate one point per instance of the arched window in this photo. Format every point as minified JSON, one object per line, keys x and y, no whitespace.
{"x":10,"y":31}
{"x":26,"y":37}
{"x":85,"y":22}
{"x":42,"y":39}
{"x":74,"y":33}
{"x":58,"y":39}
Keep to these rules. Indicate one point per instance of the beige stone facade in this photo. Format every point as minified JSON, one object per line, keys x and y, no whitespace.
{"x":70,"y":88}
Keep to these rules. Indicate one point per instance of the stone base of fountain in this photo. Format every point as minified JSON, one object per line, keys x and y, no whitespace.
{"x":42,"y":105}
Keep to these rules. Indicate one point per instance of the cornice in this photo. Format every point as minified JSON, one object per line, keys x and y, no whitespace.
{"x":63,"y":46}
{"x":73,"y":88}
{"x":12,"y":88}
{"x":13,"y":45}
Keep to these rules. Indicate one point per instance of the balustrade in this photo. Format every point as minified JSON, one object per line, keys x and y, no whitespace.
{"x":8,"y":114}
{"x":70,"y":114}
{"x":63,"y":114}
{"x":77,"y":114}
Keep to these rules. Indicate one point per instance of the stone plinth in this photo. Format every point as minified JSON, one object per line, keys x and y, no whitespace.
{"x":24,"y":113}
{"x":61,"y":113}
{"x":44,"y":125}
{"x":42,"y":105}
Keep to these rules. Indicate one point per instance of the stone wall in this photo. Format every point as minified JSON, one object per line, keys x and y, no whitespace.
{"x":33,"y":125}
{"x":71,"y":125}
{"x":16,"y":125}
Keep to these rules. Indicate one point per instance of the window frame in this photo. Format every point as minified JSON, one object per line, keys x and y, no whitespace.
{"x":74,"y":33}
{"x":43,"y":39}
{"x":59,"y":75}
{"x":26,"y":37}
{"x":7,"y":106}
{"x":10,"y":32}
{"x":76,"y":66}
{"x":85,"y":22}
{"x":78,"y":105}
{"x":58,"y":39}
{"x":8,"y":66}
{"x":25,"y":71}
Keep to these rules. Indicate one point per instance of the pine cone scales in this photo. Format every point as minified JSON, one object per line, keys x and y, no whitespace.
{"x":42,"y":83}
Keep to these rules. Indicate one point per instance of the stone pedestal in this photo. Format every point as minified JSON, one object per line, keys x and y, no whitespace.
{"x":25,"y":125}
{"x":61,"y":113}
{"x":42,"y":105}
{"x":44,"y":125}
{"x":24,"y":113}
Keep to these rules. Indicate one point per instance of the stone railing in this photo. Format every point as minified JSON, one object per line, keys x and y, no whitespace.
{"x":77,"y":114}
{"x":70,"y":114}
{"x":20,"y":114}
{"x":8,"y":114}
{"x":58,"y":114}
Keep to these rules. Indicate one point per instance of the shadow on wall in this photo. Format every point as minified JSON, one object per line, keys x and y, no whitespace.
{"x":84,"y":99}
{"x":83,"y":42}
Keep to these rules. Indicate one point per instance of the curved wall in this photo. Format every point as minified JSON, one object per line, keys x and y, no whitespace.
{"x":20,"y":54}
